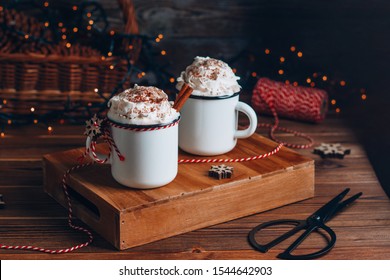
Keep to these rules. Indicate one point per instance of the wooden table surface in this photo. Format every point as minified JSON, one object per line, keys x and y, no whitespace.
{"x":31,"y":217}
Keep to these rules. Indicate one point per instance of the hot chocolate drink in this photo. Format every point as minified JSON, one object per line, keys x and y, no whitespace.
{"x":209,"y":77}
{"x":209,"y":117}
{"x":141,"y":105}
{"x":141,"y":158}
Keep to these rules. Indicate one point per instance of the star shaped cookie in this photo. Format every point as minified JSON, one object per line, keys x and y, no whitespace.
{"x":331,"y":150}
{"x":221,"y":171}
{"x":93,"y":127}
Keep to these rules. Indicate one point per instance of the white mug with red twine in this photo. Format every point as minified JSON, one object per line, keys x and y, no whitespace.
{"x":141,"y":156}
{"x":293,"y":102}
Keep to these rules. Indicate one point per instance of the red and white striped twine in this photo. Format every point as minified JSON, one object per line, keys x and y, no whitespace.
{"x":70,"y":223}
{"x":214,"y":160}
{"x":299,"y":103}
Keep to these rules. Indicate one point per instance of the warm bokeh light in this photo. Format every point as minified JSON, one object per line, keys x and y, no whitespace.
{"x":111,"y":67}
{"x":163,"y":52}
{"x":74,"y":8}
{"x":324,"y":78}
{"x":338,"y":110}
{"x":295,"y":84}
{"x":282,"y":59}
{"x":46,"y":4}
{"x":342,"y":83}
{"x":68,"y":45}
{"x":253,"y":74}
{"x":32,"y":109}
{"x":109,"y":54}
{"x":312,"y":84}
{"x":299,"y":54}
{"x":267,"y":51}
{"x":281,"y":72}
{"x":160,"y":36}
{"x":364,"y":97}
{"x":333,"y":102}
{"x":50,"y":129}
{"x":293,"y":48}
{"x":287,"y":82}
{"x":75,"y":29}
{"x":172,"y":80}
{"x":2,"y":135}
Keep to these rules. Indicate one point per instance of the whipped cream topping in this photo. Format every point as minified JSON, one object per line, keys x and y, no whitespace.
{"x":209,"y":77}
{"x":141,"y":106}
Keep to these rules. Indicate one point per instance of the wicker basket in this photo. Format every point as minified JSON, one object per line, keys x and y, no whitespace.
{"x":53,"y":82}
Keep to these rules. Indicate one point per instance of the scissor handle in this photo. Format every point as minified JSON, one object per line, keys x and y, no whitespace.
{"x":287,"y":253}
{"x":299,"y":225}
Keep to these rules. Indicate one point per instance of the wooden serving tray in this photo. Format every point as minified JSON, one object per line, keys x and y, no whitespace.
{"x":128,"y":217}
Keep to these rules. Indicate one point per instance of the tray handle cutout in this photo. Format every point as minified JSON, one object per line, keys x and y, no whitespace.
{"x":79,"y":201}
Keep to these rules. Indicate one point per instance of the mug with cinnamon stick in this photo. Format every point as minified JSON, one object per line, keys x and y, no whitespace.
{"x":142,"y":131}
{"x":209,"y":104}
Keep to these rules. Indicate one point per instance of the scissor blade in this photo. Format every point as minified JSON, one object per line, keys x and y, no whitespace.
{"x":342,"y":205}
{"x":328,"y":209}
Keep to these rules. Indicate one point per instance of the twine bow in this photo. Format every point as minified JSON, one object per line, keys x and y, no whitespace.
{"x":96,"y":128}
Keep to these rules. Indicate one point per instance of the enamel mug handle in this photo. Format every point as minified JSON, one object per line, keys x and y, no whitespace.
{"x":250,"y":113}
{"x":99,"y":158}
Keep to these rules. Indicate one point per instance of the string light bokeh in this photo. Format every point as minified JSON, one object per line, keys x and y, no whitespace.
{"x":89,"y":25}
{"x":90,"y":21}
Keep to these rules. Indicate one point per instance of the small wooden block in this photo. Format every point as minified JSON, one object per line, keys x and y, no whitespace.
{"x":128,"y":217}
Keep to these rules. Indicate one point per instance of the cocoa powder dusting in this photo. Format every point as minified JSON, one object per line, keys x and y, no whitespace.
{"x":143,"y":94}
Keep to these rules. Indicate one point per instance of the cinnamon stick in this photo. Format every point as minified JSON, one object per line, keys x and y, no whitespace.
{"x":182,"y":97}
{"x":180,"y":94}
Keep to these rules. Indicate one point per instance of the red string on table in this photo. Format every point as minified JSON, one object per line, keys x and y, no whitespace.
{"x":70,"y":222}
{"x":294,"y":102}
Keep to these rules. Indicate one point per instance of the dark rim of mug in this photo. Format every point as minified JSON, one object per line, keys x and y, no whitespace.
{"x":136,"y":126}
{"x":214,"y":97}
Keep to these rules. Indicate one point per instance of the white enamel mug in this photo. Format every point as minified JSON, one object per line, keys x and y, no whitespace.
{"x":208,"y":125}
{"x":150,"y":154}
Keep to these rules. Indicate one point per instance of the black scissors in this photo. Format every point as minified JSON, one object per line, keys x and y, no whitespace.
{"x":314,"y":222}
